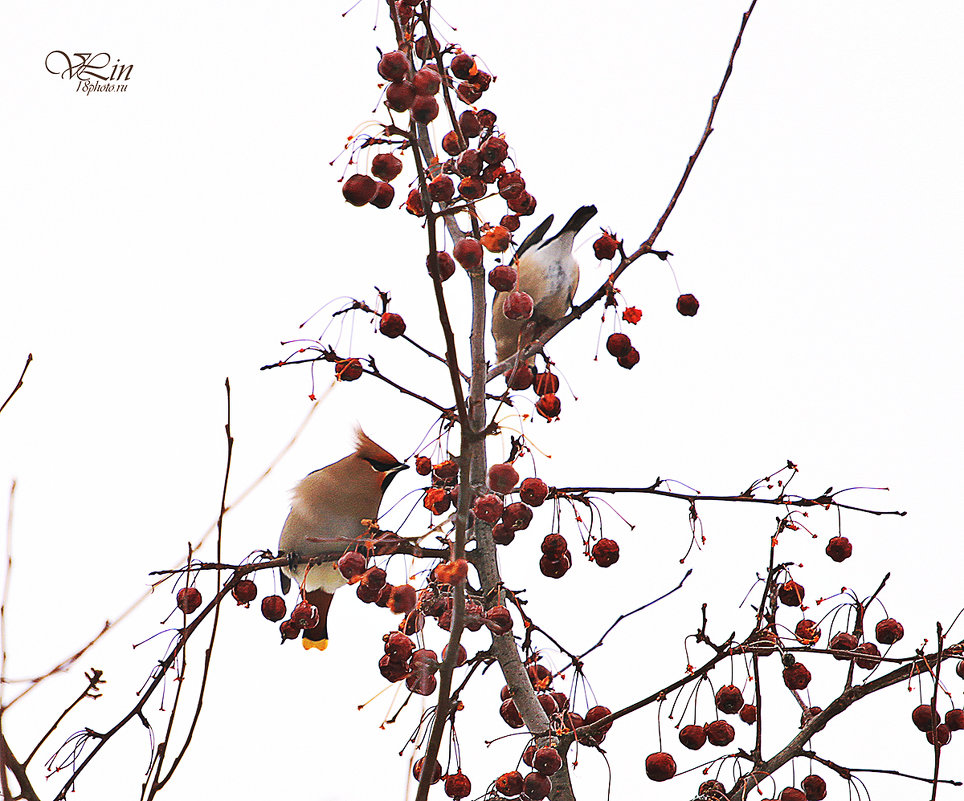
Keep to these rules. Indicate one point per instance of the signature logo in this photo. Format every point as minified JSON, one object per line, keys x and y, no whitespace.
{"x":92,"y":71}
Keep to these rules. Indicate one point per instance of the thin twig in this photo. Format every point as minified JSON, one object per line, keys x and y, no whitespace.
{"x":19,"y":382}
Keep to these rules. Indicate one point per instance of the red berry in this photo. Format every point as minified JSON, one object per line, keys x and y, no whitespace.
{"x":188,"y":599}
{"x":598,"y":713}
{"x":481,"y":79}
{"x":469,"y":163}
{"x":518,"y":305}
{"x":618,"y":345}
{"x":289,"y":630}
{"x":522,"y":204}
{"x":400,"y":96}
{"x":398,"y":645}
{"x":517,"y":516}
{"x":502,"y":535}
{"x":630,"y":360}
{"x":533,"y":491}
{"x":660,"y":766}
{"x":729,"y":699}
{"x":942,"y":734}
{"x":487,"y":118}
{"x":426,"y":81}
{"x":348,"y":370}
{"x":791,"y":593}
{"x":792,"y":794}
{"x":555,"y":568}
{"x":549,"y":406}
{"x":511,"y":185}
{"x":748,"y":714}
{"x":496,"y":239}
{"x":445,"y":264}
{"x":502,"y":478}
{"x":487,"y":508}
{"x":402,"y":599}
{"x":605,"y":552}
{"x":605,"y":247}
{"x":796,"y":676}
{"x":548,"y":704}
{"x":955,"y":719}
{"x":469,"y":124}
{"x":509,"y":784}
{"x":461,"y":67}
{"x":386,"y":167}
{"x":546,"y":383}
{"x":305,"y":615}
{"x":245,"y":591}
{"x":547,"y":760}
{"x":839,"y":548}
{"x":392,"y":668}
{"x":632,"y":315}
{"x":814,"y":787}
{"x":413,"y":623}
{"x":417,"y":771}
{"x":273,"y":607}
{"x":446,"y":471}
{"x":441,"y":189}
{"x":693,"y":737}
{"x":924,"y":717}
{"x":472,"y":188}
{"x":374,"y":577}
{"x":520,"y":378}
{"x":468,"y":253}
{"x":687,"y":305}
{"x":423,"y":465}
{"x":498,"y":620}
{"x":510,"y":221}
{"x":384,"y":195}
{"x":460,"y":655}
{"x":807,"y":632}
{"x":494,"y":150}
{"x":889,"y":631}
{"x":719,"y":732}
{"x":351,"y":565}
{"x":424,"y":109}
{"x":468,"y":92}
{"x":421,"y":683}
{"x":451,"y":144}
{"x":452,"y":573}
{"x":870,"y":661}
{"x":393,"y":66}
{"x":555,"y":546}
{"x":510,"y":714}
{"x":391,"y":325}
{"x":413,"y":204}
{"x":713,"y":789}
{"x":842,"y":641}
{"x":536,"y":786}
{"x":358,"y":189}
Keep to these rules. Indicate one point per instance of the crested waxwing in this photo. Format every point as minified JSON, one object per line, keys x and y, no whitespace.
{"x":549,"y":274}
{"x":327,"y":510}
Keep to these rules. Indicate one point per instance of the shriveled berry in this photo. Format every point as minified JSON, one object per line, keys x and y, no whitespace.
{"x":487,"y":118}
{"x":469,"y":163}
{"x":400,"y":96}
{"x":942,"y":734}
{"x":792,"y":794}
{"x":426,"y":81}
{"x":748,"y":714}
{"x":392,"y":668}
{"x":496,"y":239}
{"x":305,"y":615}
{"x":533,"y":491}
{"x":630,"y":360}
{"x":510,"y":222}
{"x":413,"y":623}
{"x":546,"y":760}
{"x":814,"y":787}
{"x":468,"y":93}
{"x":713,"y":789}
{"x":358,"y":189}
{"x":451,"y":144}
{"x":503,"y":277}
{"x":839,"y":548}
{"x":517,"y":516}
{"x":502,"y":478}
{"x":502,"y":534}
{"x":462,"y":67}
{"x":366,"y":593}
{"x":719,"y":733}
{"x":494,"y":150}
{"x":555,"y":546}
{"x":546,"y":383}
{"x":468,"y":253}
{"x":391,"y":325}
{"x":188,"y":599}
{"x":384,"y":195}
{"x":398,"y":645}
{"x":796,"y":677}
{"x":453,"y":572}
{"x":425,"y":46}
{"x":445,"y":263}
{"x":888,"y":631}
{"x":870,"y":660}
{"x":386,"y":167}
{"x":510,"y":714}
{"x":245,"y":591}
{"x":472,"y":188}
{"x":402,"y":599}
{"x":511,"y":185}
{"x":509,"y":784}
{"x":487,"y":507}
{"x":424,"y":108}
{"x":924,"y":717}
{"x":807,"y":632}
{"x":791,"y":593}
{"x":605,"y":553}
{"x":393,"y":66}
{"x":522,"y":204}
{"x":469,"y":124}
{"x":498,"y":620}
{"x":729,"y":699}
{"x":842,"y":641}
{"x":660,"y":766}
{"x":413,"y":204}
{"x":555,"y":568}
{"x":687,"y":305}
{"x":423,"y":465}
{"x":421,"y":683}
{"x":605,"y":247}
{"x":289,"y":630}
{"x":441,"y":189}
{"x":348,"y":370}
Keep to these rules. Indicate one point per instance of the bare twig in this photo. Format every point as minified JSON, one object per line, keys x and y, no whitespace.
{"x":19,"y":382}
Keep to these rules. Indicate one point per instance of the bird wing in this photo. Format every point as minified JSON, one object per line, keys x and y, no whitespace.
{"x":535,"y":236}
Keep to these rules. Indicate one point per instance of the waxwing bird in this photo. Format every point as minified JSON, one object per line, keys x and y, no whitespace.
{"x":327,"y":510}
{"x":549,"y":274}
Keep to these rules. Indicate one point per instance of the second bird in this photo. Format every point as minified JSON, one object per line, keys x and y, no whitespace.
{"x":549,"y":274}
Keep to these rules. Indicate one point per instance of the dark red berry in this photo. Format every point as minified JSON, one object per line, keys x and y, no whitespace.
{"x":445,"y":264}
{"x":549,"y":407}
{"x":461,"y":67}
{"x":719,"y":733}
{"x":510,"y":714}
{"x":509,"y":784}
{"x":273,"y":607}
{"x":517,"y":516}
{"x":417,"y":771}
{"x":660,"y":766}
{"x":468,"y":253}
{"x":188,"y":599}
{"x":839,"y":548}
{"x":796,"y":676}
{"x":400,"y":96}
{"x":245,"y":591}
{"x":618,"y":345}
{"x":305,"y":615}
{"x":393,"y":66}
{"x":487,"y":508}
{"x":605,"y":553}
{"x":605,"y":247}
{"x":630,"y":360}
{"x":687,"y":305}
{"x":729,"y":699}
{"x":351,"y":564}
{"x":503,"y":277}
{"x":870,"y":660}
{"x":889,"y":631}
{"x":814,"y":787}
{"x":536,"y":786}
{"x":748,"y":714}
{"x":842,"y":641}
{"x":533,"y":491}
{"x":386,"y":167}
{"x":384,"y":195}
{"x":924,"y":717}
{"x":791,"y":593}
{"x":391,"y":325}
{"x":546,"y":384}
{"x":348,"y":370}
{"x":502,"y":478}
{"x":693,"y":737}
{"x":806,"y":632}
{"x":358,"y":189}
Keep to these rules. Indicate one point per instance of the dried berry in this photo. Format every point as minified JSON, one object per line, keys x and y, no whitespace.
{"x":660,"y":766}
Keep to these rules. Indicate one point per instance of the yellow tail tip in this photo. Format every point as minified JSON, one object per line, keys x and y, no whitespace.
{"x":307,"y":644}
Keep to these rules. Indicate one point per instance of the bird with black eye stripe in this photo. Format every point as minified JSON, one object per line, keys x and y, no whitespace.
{"x":327,"y":510}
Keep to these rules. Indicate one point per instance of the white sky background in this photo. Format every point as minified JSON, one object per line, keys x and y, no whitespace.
{"x":157,"y":241}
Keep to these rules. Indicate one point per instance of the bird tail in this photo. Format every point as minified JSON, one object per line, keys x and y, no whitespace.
{"x":579,"y":218}
{"x":317,"y":637}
